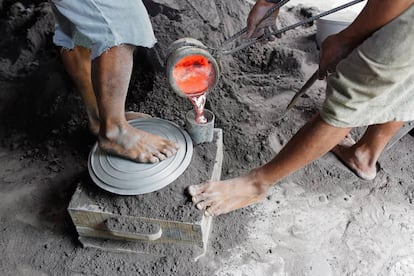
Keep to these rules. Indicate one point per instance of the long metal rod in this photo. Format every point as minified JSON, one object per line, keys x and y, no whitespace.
{"x":301,"y":92}
{"x":244,"y":30}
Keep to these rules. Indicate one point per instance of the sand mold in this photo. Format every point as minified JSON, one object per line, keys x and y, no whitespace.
{"x":169,"y":203}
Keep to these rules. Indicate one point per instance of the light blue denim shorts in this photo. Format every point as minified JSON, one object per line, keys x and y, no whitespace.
{"x":101,"y":24}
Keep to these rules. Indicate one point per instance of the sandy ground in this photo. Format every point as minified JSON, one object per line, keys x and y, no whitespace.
{"x":321,"y":220}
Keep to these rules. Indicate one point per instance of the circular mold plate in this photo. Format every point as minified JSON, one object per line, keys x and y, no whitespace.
{"x":125,"y":177}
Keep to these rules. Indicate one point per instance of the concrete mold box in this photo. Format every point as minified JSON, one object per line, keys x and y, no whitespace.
{"x":151,"y":223}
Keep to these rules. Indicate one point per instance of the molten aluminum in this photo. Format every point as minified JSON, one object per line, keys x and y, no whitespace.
{"x":199,"y":102}
{"x":193,"y":74}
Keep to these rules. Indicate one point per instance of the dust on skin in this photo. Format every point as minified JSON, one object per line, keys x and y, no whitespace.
{"x":361,"y":157}
{"x":78,"y":66}
{"x":137,"y":145}
{"x":129,"y":115}
{"x":221,"y":197}
{"x":345,"y":152}
{"x":103,"y":85}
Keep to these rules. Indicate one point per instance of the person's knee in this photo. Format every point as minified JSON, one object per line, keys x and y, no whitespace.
{"x":121,"y":48}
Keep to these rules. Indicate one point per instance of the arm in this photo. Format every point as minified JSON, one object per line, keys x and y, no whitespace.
{"x":373,"y":16}
{"x":255,"y":22}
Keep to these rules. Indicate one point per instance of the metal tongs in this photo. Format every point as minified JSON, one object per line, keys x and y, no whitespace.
{"x":225,"y":49}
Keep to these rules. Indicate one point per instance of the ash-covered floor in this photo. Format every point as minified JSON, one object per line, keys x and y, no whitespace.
{"x":321,"y":220}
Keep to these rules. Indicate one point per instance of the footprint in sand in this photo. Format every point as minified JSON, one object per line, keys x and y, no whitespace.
{"x":402,"y":267}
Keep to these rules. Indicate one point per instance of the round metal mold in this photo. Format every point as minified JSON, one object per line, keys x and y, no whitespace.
{"x":184,"y":42}
{"x":124,"y":177}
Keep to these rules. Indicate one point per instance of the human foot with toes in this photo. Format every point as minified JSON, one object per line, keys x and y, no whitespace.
{"x":221,"y":197}
{"x":93,"y":120}
{"x":356,"y":158}
{"x":136,"y":145}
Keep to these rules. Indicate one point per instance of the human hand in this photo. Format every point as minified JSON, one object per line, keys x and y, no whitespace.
{"x":333,"y":49}
{"x":256,"y":24}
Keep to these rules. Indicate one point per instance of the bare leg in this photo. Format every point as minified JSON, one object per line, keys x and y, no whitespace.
{"x":110,"y":77}
{"x":362,"y":157}
{"x":77,"y":63}
{"x":311,"y":142}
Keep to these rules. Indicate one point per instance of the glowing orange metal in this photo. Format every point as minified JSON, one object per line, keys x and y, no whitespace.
{"x":193,"y":74}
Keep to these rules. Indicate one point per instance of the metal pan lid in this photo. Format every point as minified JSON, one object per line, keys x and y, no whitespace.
{"x":125,"y":177}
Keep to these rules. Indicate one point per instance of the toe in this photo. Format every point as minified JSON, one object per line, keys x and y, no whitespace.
{"x":213,"y":210}
{"x":173,"y":149}
{"x":198,"y":198}
{"x":167,"y":152}
{"x":174,"y":145}
{"x":154,"y":159}
{"x":196,"y":189}
{"x":130,"y":115}
{"x":204,"y":204}
{"x":161,"y":156}
{"x":147,"y":158}
{"x":169,"y":148}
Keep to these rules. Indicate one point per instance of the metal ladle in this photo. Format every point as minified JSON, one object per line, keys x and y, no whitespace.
{"x":187,"y":46}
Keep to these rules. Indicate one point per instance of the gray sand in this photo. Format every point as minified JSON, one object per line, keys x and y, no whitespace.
{"x":321,"y":220}
{"x":169,"y":203}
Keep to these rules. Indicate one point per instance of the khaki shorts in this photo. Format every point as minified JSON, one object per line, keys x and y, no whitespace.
{"x":375,"y":83}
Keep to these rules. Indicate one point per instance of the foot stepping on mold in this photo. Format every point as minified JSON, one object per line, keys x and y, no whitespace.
{"x":99,"y":215}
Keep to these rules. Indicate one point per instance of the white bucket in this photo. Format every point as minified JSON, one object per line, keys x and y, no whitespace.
{"x":332,"y":24}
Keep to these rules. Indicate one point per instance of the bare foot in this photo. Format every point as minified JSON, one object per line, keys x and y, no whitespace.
{"x":129,"y":115}
{"x":93,"y":126}
{"x":136,"y":145}
{"x":220,"y":197}
{"x":354,"y":159}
